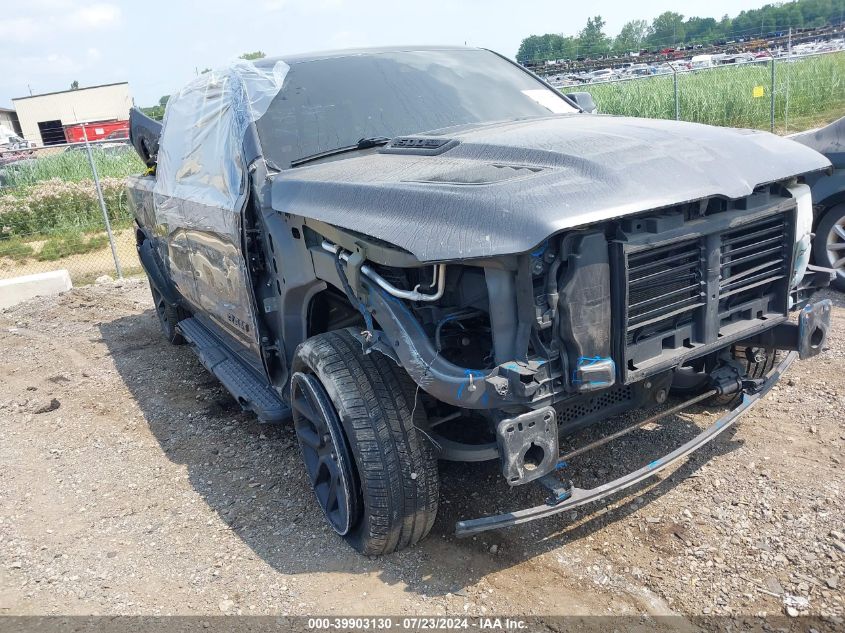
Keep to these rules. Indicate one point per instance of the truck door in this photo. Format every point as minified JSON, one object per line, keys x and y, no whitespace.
{"x":202,"y":187}
{"x":222,"y":286}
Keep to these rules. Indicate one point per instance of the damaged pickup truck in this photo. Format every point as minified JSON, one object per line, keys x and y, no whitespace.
{"x":428,"y":253}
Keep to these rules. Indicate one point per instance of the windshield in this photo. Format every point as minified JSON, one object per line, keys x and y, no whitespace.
{"x":330,"y":103}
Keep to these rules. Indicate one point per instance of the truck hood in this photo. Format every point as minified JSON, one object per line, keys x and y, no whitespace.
{"x":503,"y":188}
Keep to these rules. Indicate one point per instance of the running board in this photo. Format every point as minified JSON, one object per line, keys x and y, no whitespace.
{"x":251,"y":392}
{"x":572,"y":497}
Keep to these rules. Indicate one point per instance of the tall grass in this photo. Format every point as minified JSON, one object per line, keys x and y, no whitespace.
{"x":61,"y":205}
{"x":72,"y":165}
{"x":805,"y":88}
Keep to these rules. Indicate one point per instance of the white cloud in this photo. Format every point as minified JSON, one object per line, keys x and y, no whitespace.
{"x":95,"y":16}
{"x":47,"y":18}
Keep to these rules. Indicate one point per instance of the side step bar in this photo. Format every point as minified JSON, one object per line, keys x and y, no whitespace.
{"x":251,"y":392}
{"x":579,"y":497}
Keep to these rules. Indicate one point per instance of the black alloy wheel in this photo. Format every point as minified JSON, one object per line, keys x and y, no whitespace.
{"x":325,"y":452}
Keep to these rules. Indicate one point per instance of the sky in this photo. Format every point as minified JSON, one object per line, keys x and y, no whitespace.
{"x":159,"y":45}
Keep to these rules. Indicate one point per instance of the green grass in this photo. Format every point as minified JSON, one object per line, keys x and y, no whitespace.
{"x":72,"y":165}
{"x":15,"y":249}
{"x":807,"y":89}
{"x":55,"y":246}
{"x":60,"y":246}
{"x":57,"y":205}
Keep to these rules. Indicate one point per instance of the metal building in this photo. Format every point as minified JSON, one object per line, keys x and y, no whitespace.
{"x":44,"y":118}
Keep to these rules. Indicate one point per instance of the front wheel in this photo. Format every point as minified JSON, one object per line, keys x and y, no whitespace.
{"x":357,"y":421}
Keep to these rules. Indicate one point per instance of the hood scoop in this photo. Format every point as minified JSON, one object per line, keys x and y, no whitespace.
{"x":478,"y":174}
{"x":418,"y":145}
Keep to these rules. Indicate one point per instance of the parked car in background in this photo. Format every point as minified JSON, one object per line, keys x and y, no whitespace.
{"x":601,"y":75}
{"x":699,"y":62}
{"x":638,"y":70}
{"x":829,"y":198}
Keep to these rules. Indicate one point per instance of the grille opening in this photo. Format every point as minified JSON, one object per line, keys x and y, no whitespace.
{"x":664,"y":288}
{"x":753,"y":259}
{"x":675,"y":303}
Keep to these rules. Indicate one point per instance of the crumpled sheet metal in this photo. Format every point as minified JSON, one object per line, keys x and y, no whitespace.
{"x":554,"y":173}
{"x":200,"y":177}
{"x":829,"y":139}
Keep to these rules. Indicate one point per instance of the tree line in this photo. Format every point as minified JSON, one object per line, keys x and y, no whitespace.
{"x":671,"y":29}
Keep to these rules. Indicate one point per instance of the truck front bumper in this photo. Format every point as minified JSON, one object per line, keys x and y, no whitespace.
{"x":576,"y":497}
{"x":803,"y":339}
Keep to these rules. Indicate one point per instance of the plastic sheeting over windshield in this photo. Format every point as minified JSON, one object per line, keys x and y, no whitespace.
{"x":200,"y":178}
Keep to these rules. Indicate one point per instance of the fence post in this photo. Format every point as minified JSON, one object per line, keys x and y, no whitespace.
{"x":772,"y":100}
{"x":102,"y":204}
{"x":677,"y":103}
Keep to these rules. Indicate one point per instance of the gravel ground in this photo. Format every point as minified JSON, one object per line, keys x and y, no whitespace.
{"x":133,"y":484}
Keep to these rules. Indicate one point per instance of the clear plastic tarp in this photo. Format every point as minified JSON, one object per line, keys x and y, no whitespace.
{"x":200,"y":179}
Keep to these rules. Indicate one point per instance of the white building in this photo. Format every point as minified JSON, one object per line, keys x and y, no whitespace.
{"x":8,"y":124}
{"x":43,"y":118}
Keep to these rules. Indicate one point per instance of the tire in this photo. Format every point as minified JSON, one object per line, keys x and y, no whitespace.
{"x":168,"y":316}
{"x":394,"y":487}
{"x":831,"y":230}
{"x":756,"y":361}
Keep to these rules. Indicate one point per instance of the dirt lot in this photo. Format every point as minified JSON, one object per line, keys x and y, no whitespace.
{"x":132,"y":484}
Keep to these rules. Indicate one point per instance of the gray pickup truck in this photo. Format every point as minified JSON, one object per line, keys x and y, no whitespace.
{"x":423,"y":253}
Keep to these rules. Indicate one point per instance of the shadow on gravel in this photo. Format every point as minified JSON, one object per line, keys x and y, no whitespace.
{"x":250,"y":475}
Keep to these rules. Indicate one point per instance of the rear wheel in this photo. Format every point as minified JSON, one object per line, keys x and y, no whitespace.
{"x":168,"y":316}
{"x":373,"y":472}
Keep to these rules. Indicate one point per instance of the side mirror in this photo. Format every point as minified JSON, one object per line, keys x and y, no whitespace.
{"x":585,"y":101}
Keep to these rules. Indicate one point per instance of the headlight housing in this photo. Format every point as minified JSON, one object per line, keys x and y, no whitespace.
{"x":803,"y":231}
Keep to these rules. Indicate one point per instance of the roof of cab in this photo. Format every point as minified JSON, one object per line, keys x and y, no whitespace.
{"x":299,"y":58}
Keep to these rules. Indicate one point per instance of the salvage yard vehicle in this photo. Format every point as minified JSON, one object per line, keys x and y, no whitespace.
{"x":428,"y":253}
{"x":828,"y":189}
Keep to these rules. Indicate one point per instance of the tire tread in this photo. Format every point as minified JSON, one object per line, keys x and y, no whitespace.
{"x":395,"y":463}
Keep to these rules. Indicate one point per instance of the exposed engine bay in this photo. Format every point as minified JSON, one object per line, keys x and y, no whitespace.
{"x":514,"y":352}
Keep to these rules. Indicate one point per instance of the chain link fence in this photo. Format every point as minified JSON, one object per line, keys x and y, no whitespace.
{"x":782,"y":95}
{"x":64,"y":206}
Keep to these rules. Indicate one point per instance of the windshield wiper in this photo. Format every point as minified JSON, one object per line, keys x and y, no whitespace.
{"x":364,"y":143}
